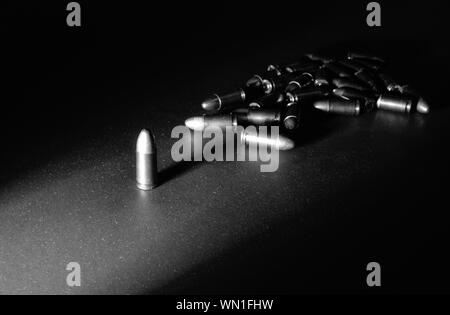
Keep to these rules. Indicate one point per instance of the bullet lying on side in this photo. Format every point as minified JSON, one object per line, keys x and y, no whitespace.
{"x":251,"y":116}
{"x":280,"y":143}
{"x":341,"y":107}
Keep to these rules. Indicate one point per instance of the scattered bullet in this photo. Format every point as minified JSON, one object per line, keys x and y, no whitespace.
{"x":250,"y":116}
{"x":353,"y":83}
{"x":233,"y":99}
{"x":317,"y":57}
{"x":306,"y":94}
{"x":352,"y":64}
{"x":146,"y":161}
{"x":322,"y":77}
{"x":303,"y":66}
{"x":267,"y":101}
{"x":370,"y":64}
{"x":341,"y":107}
{"x":422,"y":106}
{"x":349,"y":93}
{"x":340,"y":70}
{"x":200,"y":123}
{"x":356,"y":55}
{"x":299,"y":82}
{"x":280,"y":143}
{"x":389,"y":83}
{"x":367,"y":77}
{"x":395,"y":103}
{"x":254,"y":82}
{"x":291,"y":119}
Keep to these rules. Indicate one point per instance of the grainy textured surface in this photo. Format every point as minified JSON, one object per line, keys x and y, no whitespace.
{"x":355,"y":190}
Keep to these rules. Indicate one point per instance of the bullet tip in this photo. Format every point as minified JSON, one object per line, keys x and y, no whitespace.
{"x":211,"y":104}
{"x":195,"y":123}
{"x":145,"y":142}
{"x":285,"y":144}
{"x":423,"y":107}
{"x":321,"y":105}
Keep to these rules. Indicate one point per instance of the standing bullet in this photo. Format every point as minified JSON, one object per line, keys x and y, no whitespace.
{"x":146,"y":161}
{"x":341,"y":107}
{"x":395,"y":103}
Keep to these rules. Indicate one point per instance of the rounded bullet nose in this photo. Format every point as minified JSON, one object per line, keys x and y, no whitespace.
{"x":145,"y":142}
{"x":321,"y":105}
{"x":290,"y":123}
{"x":285,"y":144}
{"x":211,"y":104}
{"x":195,"y":123}
{"x":423,"y":107}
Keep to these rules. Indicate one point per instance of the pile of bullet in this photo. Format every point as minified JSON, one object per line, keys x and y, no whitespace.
{"x":349,"y":86}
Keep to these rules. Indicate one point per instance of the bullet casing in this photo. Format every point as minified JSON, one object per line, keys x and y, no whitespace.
{"x":307,"y":94}
{"x":292,"y":116}
{"x":358,"y":55}
{"x":299,"y":82}
{"x":281,"y":143}
{"x":317,"y":57}
{"x":261,"y":117}
{"x":340,"y":107}
{"x":267,"y":101}
{"x":389,"y":83}
{"x":366,"y":76}
{"x":350,"y":83}
{"x":370,"y":64}
{"x":395,"y":103}
{"x":146,"y":161}
{"x":322,"y":77}
{"x":352,"y":64}
{"x":340,"y":70}
{"x":303,"y":66}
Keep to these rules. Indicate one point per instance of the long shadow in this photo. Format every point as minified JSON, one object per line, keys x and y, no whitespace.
{"x":176,"y":170}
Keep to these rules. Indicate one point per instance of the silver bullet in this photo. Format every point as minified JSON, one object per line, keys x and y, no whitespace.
{"x":146,"y":162}
{"x":395,"y":103}
{"x":279,"y":143}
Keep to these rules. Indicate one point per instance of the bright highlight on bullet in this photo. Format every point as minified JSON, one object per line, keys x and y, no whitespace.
{"x":279,"y":143}
{"x":195,"y":123}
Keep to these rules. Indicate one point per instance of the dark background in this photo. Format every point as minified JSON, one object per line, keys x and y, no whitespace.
{"x":355,"y":190}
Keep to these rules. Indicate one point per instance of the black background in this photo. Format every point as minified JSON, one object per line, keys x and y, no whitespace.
{"x":63,"y":87}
